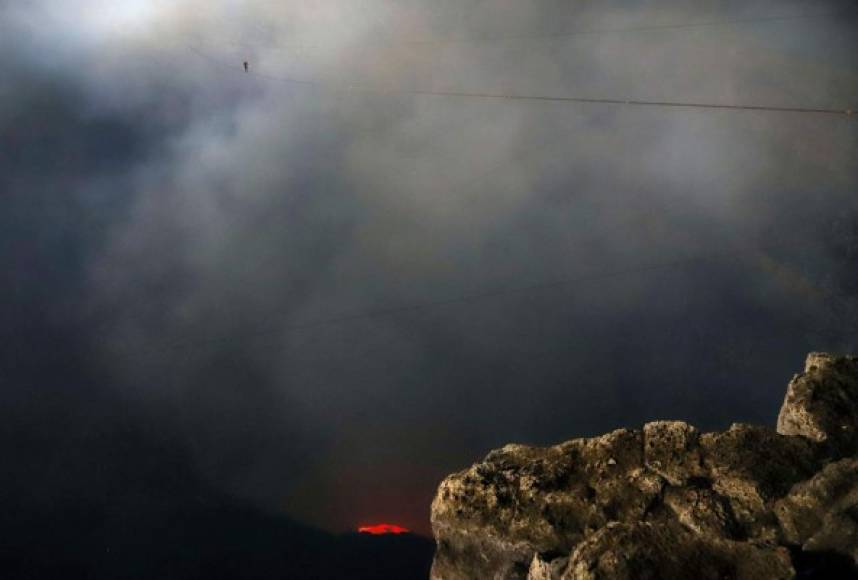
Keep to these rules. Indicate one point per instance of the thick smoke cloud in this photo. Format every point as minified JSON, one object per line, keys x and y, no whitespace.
{"x":196,"y":223}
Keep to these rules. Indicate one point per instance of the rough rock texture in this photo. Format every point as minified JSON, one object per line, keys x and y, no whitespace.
{"x":646,"y":550}
{"x":822,"y":403}
{"x":821,"y":514}
{"x":668,"y":501}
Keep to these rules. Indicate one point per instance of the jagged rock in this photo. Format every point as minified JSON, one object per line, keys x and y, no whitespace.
{"x":822,"y":403}
{"x":665,"y":501}
{"x":524,"y":500}
{"x":641,"y":550}
{"x":671,"y":450}
{"x":821,"y":514}
{"x":547,"y":568}
{"x":702,"y":511}
{"x":750,"y":466}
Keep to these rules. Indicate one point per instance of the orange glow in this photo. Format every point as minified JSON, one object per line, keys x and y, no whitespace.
{"x":381,"y":529}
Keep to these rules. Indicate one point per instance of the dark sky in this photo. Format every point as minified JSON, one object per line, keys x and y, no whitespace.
{"x":172,"y":230}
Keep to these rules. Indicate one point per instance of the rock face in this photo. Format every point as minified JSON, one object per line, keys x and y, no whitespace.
{"x":668,"y":501}
{"x":822,"y":403}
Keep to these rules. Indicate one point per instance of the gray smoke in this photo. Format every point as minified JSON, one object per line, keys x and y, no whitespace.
{"x":225,"y":214}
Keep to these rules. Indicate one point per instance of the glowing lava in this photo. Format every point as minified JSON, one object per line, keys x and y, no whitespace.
{"x":382,"y":529}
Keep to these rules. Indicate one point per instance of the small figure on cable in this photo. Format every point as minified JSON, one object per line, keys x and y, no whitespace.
{"x":246,"y":67}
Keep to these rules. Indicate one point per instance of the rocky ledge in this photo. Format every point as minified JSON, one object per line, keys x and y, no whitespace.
{"x":668,"y":501}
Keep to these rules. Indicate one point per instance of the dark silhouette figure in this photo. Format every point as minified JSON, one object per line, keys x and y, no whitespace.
{"x":246,"y":67}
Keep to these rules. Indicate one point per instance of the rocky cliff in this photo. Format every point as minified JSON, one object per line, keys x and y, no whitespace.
{"x":667,"y":501}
